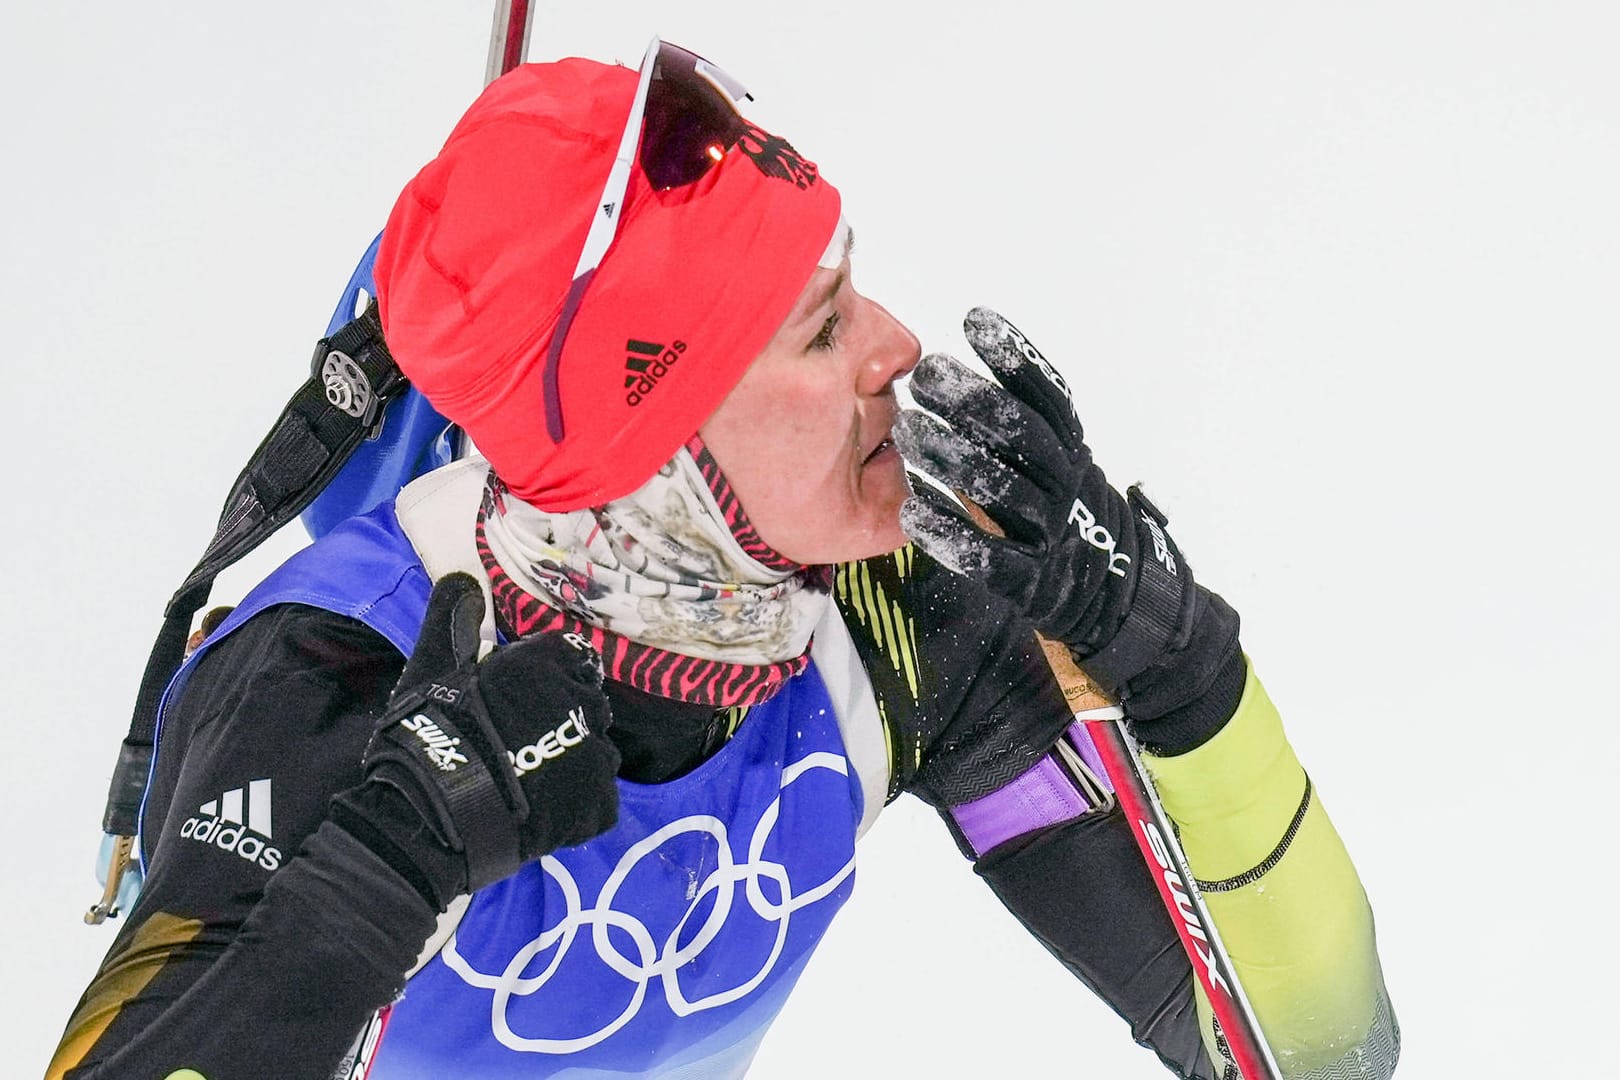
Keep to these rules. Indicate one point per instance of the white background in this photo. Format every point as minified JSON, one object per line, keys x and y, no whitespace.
{"x":1339,"y":281}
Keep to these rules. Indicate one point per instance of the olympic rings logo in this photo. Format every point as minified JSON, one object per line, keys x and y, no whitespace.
{"x":652,"y":960}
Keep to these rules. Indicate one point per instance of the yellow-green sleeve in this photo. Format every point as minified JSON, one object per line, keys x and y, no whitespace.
{"x":1283,"y":895}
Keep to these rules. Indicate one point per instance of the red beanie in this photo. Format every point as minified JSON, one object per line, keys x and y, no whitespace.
{"x":480,"y":250}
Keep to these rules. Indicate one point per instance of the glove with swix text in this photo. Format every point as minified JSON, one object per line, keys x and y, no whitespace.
{"x":499,"y":762}
{"x":1091,"y":568}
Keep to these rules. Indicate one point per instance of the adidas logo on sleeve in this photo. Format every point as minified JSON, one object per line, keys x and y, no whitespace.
{"x":646,"y":362}
{"x":238,"y":821}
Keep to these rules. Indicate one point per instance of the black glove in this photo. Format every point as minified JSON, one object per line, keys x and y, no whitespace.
{"x":1092,"y":568}
{"x":503,"y":761}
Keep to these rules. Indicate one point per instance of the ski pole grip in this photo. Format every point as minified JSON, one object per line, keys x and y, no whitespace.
{"x":1078,"y":688}
{"x":127,"y":789}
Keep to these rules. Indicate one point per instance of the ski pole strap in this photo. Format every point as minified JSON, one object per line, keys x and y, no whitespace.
{"x":352,"y":379}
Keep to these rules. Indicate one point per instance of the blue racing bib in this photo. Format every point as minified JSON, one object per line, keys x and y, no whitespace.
{"x":663,"y":948}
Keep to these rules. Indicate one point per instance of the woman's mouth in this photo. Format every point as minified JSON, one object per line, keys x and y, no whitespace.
{"x":879,"y":451}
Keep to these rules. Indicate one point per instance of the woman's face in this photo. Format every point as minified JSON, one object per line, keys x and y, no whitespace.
{"x":804,"y":436}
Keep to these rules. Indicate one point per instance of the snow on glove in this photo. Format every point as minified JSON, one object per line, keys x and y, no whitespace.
{"x":504,"y":760}
{"x":1092,"y":568}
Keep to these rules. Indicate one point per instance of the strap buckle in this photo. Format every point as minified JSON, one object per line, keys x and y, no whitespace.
{"x":107,"y":906}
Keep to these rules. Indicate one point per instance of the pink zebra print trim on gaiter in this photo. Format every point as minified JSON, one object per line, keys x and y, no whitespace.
{"x":647,"y":668}
{"x":736,"y":518}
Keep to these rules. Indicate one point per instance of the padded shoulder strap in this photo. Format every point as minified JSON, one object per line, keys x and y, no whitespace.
{"x":352,"y":379}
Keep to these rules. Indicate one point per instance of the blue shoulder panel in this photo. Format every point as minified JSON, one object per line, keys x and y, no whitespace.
{"x":381,"y":583}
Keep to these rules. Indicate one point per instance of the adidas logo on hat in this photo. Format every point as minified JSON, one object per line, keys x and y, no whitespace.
{"x":238,"y":821}
{"x":645,"y":364}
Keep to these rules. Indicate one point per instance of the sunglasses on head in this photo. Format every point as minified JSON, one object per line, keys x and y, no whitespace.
{"x":684,"y":118}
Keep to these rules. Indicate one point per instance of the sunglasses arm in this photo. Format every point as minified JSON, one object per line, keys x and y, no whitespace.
{"x":606,"y":224}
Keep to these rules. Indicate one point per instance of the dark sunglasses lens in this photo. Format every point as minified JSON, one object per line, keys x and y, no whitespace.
{"x":689,"y":124}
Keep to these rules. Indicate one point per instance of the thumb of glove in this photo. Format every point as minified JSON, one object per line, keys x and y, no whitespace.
{"x":449,"y":639}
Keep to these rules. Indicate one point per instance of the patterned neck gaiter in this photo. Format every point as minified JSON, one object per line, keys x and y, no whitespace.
{"x":670,"y":583}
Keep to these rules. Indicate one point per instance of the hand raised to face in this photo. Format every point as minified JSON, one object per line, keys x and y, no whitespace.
{"x":1017,"y":448}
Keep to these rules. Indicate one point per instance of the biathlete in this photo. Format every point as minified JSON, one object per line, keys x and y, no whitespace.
{"x":555,"y":765}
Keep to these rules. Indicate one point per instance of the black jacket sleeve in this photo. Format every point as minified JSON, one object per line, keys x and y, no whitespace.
{"x":1083,"y":891}
{"x":971,"y":703}
{"x":969,"y":700}
{"x":246,"y":954}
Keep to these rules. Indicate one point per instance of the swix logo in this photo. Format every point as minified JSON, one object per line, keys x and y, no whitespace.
{"x":441,"y":748}
{"x":646,"y":363}
{"x":571,"y":732}
{"x":1192,"y":925}
{"x":1161,"y":544}
{"x":356,"y":1064}
{"x":1080,"y":515}
{"x":239,"y":822}
{"x":1033,"y":355}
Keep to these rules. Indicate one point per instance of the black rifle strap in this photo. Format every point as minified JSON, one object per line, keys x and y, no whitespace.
{"x":352,"y":378}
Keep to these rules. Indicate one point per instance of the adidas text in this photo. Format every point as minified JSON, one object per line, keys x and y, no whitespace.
{"x":645,"y":363}
{"x":441,"y":748}
{"x":219,"y":823}
{"x":1100,"y":538}
{"x":571,"y":732}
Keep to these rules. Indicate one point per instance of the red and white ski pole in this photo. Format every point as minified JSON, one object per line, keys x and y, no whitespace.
{"x":508,"y":37}
{"x":1161,"y":849}
{"x":1167,"y":862}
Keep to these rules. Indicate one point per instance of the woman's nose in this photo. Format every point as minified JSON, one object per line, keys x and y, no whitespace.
{"x":892,"y":351}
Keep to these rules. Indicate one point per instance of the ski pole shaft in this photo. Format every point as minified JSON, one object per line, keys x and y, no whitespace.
{"x":508,"y":37}
{"x":1161,"y":849}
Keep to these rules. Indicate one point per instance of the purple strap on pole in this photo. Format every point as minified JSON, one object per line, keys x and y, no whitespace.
{"x":1045,"y":795}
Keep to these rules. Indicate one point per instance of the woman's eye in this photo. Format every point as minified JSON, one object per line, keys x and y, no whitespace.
{"x":825,"y":336}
